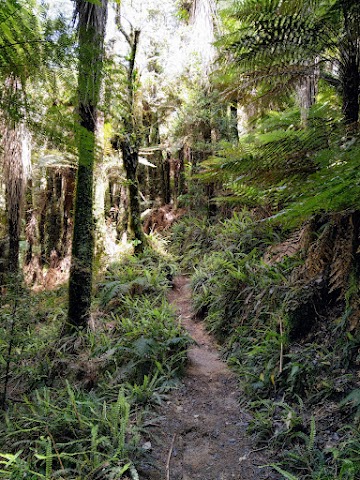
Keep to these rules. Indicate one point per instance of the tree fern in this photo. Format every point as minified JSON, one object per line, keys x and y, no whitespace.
{"x":273,"y":45}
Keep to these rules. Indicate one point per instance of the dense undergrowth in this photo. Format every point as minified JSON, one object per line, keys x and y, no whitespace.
{"x":76,"y":407}
{"x":286,"y":312}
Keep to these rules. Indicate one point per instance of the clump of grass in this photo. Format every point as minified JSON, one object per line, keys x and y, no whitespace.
{"x":68,"y":434}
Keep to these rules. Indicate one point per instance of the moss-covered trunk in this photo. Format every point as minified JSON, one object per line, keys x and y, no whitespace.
{"x":130,"y":159}
{"x":129,"y":144}
{"x":92,"y":21}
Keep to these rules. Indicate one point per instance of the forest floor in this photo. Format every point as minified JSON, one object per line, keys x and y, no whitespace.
{"x":201,"y":430}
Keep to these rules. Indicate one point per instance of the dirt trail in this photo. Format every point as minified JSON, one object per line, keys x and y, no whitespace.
{"x":202,"y":433}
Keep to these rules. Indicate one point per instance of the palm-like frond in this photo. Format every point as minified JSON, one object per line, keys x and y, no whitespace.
{"x":273,"y":45}
{"x":20,"y":38}
{"x":268,"y":166}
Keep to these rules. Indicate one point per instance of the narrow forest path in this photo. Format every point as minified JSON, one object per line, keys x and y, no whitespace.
{"x":201,"y":433}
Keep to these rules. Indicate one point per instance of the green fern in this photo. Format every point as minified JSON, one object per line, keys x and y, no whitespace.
{"x":353,"y":398}
{"x":285,"y":474}
{"x":312,"y":435}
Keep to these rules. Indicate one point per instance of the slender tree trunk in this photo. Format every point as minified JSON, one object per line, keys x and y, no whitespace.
{"x":179,"y":177}
{"x":68,"y":204}
{"x":232,"y":121}
{"x":129,"y":144}
{"x":350,"y":63}
{"x":130,"y":159}
{"x":92,"y":22}
{"x":306,"y":92}
{"x":53,"y":225}
{"x":165,"y":178}
{"x":16,"y":166}
{"x":182,"y":186}
{"x":30,"y":219}
{"x":211,"y":138}
{"x":100,"y":189}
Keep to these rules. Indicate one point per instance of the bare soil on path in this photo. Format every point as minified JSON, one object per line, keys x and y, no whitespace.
{"x":201,"y":432}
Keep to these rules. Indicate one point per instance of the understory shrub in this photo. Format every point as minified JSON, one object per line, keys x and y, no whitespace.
{"x":81,"y":412}
{"x":286,"y":313}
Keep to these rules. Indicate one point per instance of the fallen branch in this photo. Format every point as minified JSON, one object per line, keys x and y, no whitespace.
{"x":169,"y":458}
{"x":281,"y":347}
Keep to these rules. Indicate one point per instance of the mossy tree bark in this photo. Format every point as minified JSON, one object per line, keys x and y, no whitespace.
{"x":131,"y":161}
{"x":68,"y":204}
{"x":129,"y":143}
{"x":92,"y":22}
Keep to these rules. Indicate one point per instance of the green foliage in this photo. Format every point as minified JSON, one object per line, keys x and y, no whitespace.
{"x":20,"y":38}
{"x":190,"y":239}
{"x":29,"y":325}
{"x":148,"y":274}
{"x":275,"y":45}
{"x":353,"y":398}
{"x":290,"y":171}
{"x":82,"y":400}
{"x":145,"y":341}
{"x":68,"y":433}
{"x":308,"y":460}
{"x":287,"y":357}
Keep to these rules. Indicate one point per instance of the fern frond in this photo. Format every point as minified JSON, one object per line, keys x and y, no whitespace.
{"x":312,"y":435}
{"x":284,"y":473}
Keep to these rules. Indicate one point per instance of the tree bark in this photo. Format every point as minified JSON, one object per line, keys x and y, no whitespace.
{"x":30,"y":220}
{"x":54,"y":219}
{"x":130,"y":159}
{"x":165,"y":179}
{"x":100,"y":190}
{"x":179,"y":177}
{"x":350,"y":64}
{"x":129,"y":144}
{"x":68,"y":204}
{"x":92,"y":22}
{"x":16,"y":166}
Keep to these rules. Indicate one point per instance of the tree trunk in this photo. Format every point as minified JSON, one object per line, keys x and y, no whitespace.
{"x":130,"y":159}
{"x":68,"y":204}
{"x":306,"y":92}
{"x":100,"y":190}
{"x":30,"y":220}
{"x":129,"y":144}
{"x":232,"y":123}
{"x":179,"y":177}
{"x":350,"y":88}
{"x":165,"y":179}
{"x":92,"y":22}
{"x":349,"y":61}
{"x":16,"y":163}
{"x":53,"y":225}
